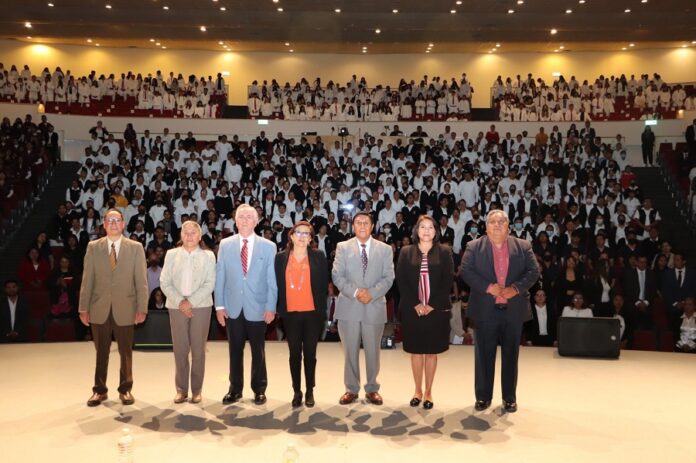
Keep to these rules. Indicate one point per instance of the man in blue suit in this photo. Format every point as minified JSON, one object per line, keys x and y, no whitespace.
{"x":245,"y":300}
{"x":500,"y":269}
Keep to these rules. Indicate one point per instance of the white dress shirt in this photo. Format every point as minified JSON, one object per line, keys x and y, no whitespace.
{"x":542,"y":317}
{"x":117,"y":245}
{"x":13,"y":312}
{"x":574,"y":313}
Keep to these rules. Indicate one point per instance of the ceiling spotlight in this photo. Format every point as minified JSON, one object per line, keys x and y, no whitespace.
{"x":364,"y":51}
{"x":152,"y":40}
{"x":158,"y":44}
{"x":51,"y":5}
{"x":510,"y":11}
{"x":623,"y":48}
{"x":458,"y":2}
{"x":453,"y":11}
{"x":29,"y":37}
{"x":520,"y":2}
{"x":287,"y":44}
{"x":693,"y":42}
{"x":556,"y":50}
{"x":631,"y":44}
{"x":291,"y":50}
{"x":627,"y":10}
{"x":280,"y":10}
{"x":27,"y":25}
{"x":97,"y":45}
{"x":427,"y":51}
{"x":378,"y":31}
{"x":684,"y":46}
{"x":107,"y":6}
{"x":581,"y":1}
{"x":337,"y":10}
{"x":492,"y":50}
{"x":561,"y":47}
{"x":89,"y":40}
{"x":203,"y":29}
{"x":431,"y":45}
{"x":222,"y":8}
{"x":274,"y":1}
{"x":568,"y":11}
{"x":163,"y":47}
{"x":497,"y":45}
{"x":643,"y":1}
{"x":220,"y":43}
{"x":395,"y":11}
{"x":554,"y":31}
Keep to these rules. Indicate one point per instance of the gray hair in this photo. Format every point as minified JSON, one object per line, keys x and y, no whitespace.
{"x":493,"y":212}
{"x":192,"y":224}
{"x":244,"y":207}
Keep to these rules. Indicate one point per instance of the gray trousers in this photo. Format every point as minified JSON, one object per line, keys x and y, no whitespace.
{"x":189,"y":335}
{"x":351,"y":333}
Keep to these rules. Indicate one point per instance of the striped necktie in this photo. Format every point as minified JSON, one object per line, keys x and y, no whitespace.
{"x":112,"y":257}
{"x":363,"y":256}
{"x":245,"y":256}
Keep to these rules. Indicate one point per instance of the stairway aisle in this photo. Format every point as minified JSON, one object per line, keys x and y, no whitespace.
{"x":673,"y":227}
{"x":38,"y":218}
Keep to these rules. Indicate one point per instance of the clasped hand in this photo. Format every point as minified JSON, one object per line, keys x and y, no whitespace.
{"x":363,"y":295}
{"x":497,"y":290}
{"x":423,"y":309}
{"x":186,"y":308}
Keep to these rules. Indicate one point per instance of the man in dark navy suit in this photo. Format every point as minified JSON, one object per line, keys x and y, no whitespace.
{"x":499,"y":269}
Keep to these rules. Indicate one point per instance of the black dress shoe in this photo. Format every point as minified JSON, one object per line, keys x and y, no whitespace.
{"x":309,"y":399}
{"x":96,"y":399}
{"x":510,"y":407}
{"x":231,"y":397}
{"x":428,"y":405}
{"x":260,"y":399}
{"x":481,"y":405}
{"x":126,"y":398}
{"x":415,"y":402}
{"x":296,"y":400}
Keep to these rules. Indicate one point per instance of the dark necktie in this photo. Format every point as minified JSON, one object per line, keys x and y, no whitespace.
{"x":245,"y":256}
{"x":363,"y":256}
{"x":680,"y":276}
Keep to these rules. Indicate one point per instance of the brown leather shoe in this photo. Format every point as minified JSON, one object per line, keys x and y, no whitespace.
{"x":347,"y":398}
{"x":180,"y":398}
{"x":374,"y":398}
{"x":96,"y":399}
{"x":127,"y":398}
{"x":196,"y":398}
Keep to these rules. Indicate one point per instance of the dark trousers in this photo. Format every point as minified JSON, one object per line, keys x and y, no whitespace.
{"x":489,"y":333}
{"x":239,"y":330}
{"x":102,"y":342}
{"x":302,"y":331}
{"x":647,"y":155}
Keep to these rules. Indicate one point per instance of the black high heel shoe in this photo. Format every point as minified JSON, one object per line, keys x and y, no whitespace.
{"x":415,"y":402}
{"x":428,"y":405}
{"x":297,"y":399}
{"x":309,"y":399}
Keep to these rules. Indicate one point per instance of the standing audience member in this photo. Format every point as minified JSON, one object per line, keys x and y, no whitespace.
{"x":14,"y":314}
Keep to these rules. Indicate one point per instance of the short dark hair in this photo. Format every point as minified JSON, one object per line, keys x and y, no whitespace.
{"x":363,"y":214}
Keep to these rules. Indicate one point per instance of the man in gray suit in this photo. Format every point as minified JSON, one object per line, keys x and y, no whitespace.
{"x":363,"y":271}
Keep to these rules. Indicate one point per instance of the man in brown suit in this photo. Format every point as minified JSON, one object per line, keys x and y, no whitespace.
{"x":113,"y":297}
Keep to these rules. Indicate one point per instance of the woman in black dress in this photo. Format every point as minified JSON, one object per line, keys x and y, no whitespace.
{"x":424,"y":275}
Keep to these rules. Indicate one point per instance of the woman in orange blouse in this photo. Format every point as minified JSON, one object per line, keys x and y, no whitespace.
{"x":302,"y":277}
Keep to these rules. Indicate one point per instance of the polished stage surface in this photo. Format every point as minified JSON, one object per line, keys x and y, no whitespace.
{"x":638,"y":408}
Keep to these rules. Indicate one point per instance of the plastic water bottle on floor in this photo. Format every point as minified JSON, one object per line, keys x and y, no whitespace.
{"x":291,"y":455}
{"x":125,"y":447}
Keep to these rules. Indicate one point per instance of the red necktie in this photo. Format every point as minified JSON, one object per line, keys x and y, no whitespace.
{"x":245,"y":257}
{"x":333,"y":309}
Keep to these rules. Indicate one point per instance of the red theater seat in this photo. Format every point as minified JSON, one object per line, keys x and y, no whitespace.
{"x":60,"y":330}
{"x":644,"y":340}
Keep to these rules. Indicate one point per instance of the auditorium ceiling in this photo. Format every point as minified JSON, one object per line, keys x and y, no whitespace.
{"x":356,"y":26}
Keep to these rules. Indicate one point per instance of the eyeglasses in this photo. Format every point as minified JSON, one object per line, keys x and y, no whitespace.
{"x":302,"y":234}
{"x":362,"y":223}
{"x":113,"y":221}
{"x":497,"y":221}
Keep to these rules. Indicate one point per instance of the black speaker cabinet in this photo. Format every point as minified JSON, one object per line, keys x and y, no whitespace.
{"x":154,"y":332}
{"x":589,"y":337}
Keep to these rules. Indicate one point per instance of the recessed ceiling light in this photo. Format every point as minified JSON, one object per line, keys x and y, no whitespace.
{"x":431,"y":45}
{"x":364,"y":51}
{"x":222,"y":8}
{"x":152,"y":40}
{"x":631,"y":44}
{"x":165,"y":7}
{"x":497,"y":45}
{"x":291,"y":50}
{"x":693,"y":42}
{"x":623,"y":48}
{"x":337,"y":10}
{"x":643,"y":1}
{"x":378,"y":31}
{"x":581,"y":1}
{"x":203,"y":29}
{"x":554,"y":31}
{"x":627,"y":10}
{"x":107,"y":6}
{"x":453,"y":11}
{"x":29,"y":37}
{"x":89,"y":40}
{"x":280,"y":10}
{"x":51,"y":5}
{"x":556,"y":50}
{"x":568,"y":11}
{"x":287,"y":44}
{"x":220,"y":42}
{"x":492,"y":50}
{"x":427,"y":51}
{"x":520,"y":2}
{"x":158,"y":44}
{"x":511,"y":11}
{"x":163,"y":47}
{"x":684,"y":46}
{"x":27,"y":25}
{"x":458,"y":2}
{"x":561,"y":47}
{"x":274,"y":1}
{"x":97,"y":45}
{"x":395,"y":10}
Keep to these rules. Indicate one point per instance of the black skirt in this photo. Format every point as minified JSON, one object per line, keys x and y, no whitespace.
{"x":428,"y":334}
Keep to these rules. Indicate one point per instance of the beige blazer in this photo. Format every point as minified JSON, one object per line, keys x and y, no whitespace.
{"x":124,"y":289}
{"x":203,"y":282}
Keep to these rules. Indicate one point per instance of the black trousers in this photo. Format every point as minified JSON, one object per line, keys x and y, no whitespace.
{"x":239,"y":330}
{"x":302,"y":331}
{"x":489,"y":333}
{"x":101,"y":334}
{"x":647,"y":155}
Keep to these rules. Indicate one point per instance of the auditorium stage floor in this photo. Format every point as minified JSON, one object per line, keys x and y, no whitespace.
{"x":639,"y":408}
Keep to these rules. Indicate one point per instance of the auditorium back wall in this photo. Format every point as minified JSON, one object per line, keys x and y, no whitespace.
{"x":675,"y":65}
